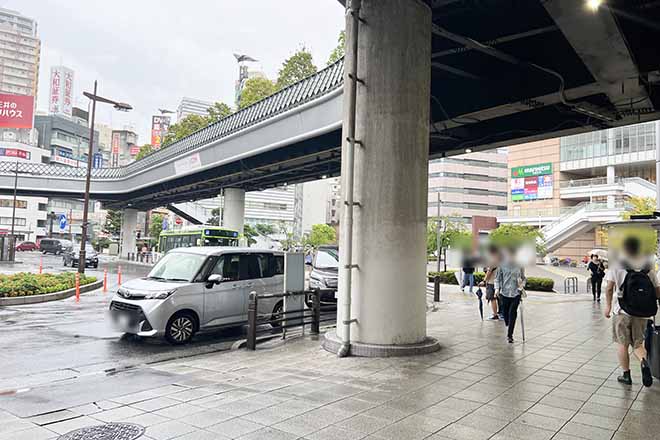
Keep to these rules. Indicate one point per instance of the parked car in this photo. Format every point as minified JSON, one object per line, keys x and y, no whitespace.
{"x":54,"y":245}
{"x":325,"y":272}
{"x":27,"y":246}
{"x":199,"y":287}
{"x":72,"y":256}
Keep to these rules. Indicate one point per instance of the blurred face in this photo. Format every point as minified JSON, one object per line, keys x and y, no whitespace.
{"x":594,"y":258}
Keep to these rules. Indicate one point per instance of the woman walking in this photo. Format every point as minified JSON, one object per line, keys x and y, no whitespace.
{"x":509,"y":283}
{"x":597,"y":269}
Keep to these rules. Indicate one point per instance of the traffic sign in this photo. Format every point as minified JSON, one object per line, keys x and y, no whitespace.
{"x":63,"y":221}
{"x":178,"y":221}
{"x":97,"y":160}
{"x":165,"y":224}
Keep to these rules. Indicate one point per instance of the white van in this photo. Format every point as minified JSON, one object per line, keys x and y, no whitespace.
{"x":197,"y":287}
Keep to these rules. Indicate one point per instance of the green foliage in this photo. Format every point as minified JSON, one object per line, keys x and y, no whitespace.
{"x":510,"y":235}
{"x":185,"y":127}
{"x":249,"y":232}
{"x":533,"y":283}
{"x":144,"y":150}
{"x":101,"y":243}
{"x":338,"y":52}
{"x":112,"y":224}
{"x":217,"y":111}
{"x":155,"y":226}
{"x":453,"y":234}
{"x":321,"y":234}
{"x":298,"y":66}
{"x":265,"y":229}
{"x":27,"y":284}
{"x":639,"y":206}
{"x":214,"y":220}
{"x":255,"y":90}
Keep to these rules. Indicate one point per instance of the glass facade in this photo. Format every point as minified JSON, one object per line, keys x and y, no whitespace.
{"x":614,"y":141}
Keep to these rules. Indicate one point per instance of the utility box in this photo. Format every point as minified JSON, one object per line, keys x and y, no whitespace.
{"x":113,"y":249}
{"x":294,"y":281}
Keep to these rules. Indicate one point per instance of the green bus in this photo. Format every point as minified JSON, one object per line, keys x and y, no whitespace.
{"x":197,"y":236}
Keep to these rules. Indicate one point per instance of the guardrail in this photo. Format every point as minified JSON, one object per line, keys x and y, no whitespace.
{"x":299,"y":317}
{"x":570,"y":285}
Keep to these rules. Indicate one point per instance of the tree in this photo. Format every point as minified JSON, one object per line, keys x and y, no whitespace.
{"x":453,"y":234}
{"x":155,"y":226}
{"x":297,"y":67}
{"x":185,"y":127}
{"x":264,"y":228}
{"x":112,"y":224}
{"x":145,"y":150}
{"x":321,"y":234}
{"x":515,"y":236}
{"x":255,"y":90}
{"x":338,"y":52}
{"x":218,"y":110}
{"x":250,"y":233}
{"x":214,"y":220}
{"x":640,"y":206}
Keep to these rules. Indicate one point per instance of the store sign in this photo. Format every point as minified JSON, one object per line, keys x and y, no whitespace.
{"x":531,"y":182}
{"x":134,"y":150}
{"x":115,"y":142}
{"x":15,"y":152}
{"x":61,"y":90}
{"x":159,"y":127}
{"x":541,"y":169}
{"x":68,"y":162}
{"x":16,"y":111}
{"x":97,"y":160}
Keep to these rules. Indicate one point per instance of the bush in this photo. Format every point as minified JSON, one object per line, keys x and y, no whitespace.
{"x":28,"y":284}
{"x":533,"y":283}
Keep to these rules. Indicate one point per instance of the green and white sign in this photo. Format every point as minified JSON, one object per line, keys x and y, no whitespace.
{"x":540,"y":169}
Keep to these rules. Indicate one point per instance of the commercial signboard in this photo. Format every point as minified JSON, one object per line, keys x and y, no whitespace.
{"x":134,"y":150}
{"x":15,"y":152}
{"x":159,"y":127}
{"x":16,"y":111}
{"x":97,"y":160}
{"x":61,"y":90}
{"x":68,"y":162}
{"x":531,"y":182}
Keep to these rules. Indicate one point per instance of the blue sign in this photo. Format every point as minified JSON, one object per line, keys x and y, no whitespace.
{"x":63,"y":222}
{"x":165,"y":224}
{"x":97,"y":160}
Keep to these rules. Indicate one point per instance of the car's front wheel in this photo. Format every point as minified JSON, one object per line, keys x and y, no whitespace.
{"x":180,"y":328}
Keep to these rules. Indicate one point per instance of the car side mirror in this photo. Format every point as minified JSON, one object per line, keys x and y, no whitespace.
{"x":213,"y":280}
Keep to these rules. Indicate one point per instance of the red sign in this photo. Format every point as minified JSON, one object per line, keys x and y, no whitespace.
{"x":115,"y":143}
{"x":134,"y":150}
{"x":178,"y":221}
{"x":159,"y":127}
{"x":15,"y":152}
{"x":16,"y":111}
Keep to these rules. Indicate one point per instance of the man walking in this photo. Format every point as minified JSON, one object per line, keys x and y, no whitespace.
{"x":636,"y":285}
{"x":509,"y":282}
{"x":597,"y":270}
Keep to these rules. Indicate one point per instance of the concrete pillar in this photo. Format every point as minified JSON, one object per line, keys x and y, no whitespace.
{"x":129,"y":221}
{"x":611,"y":179}
{"x":234,"y":209}
{"x":391,"y":182}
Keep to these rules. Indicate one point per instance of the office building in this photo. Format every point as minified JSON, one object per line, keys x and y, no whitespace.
{"x":66,"y":139}
{"x":321,"y":201}
{"x":570,"y":186}
{"x":123,"y":147}
{"x":468,"y":185}
{"x":30,"y":221}
{"x":20,"y":50}
{"x":192,"y":106}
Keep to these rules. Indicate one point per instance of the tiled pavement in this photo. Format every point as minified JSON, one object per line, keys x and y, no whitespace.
{"x":560,"y":384}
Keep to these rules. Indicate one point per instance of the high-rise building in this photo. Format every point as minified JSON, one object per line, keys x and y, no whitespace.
{"x":19,"y":65}
{"x":192,"y":106}
{"x":67,"y":139}
{"x":123,"y":147}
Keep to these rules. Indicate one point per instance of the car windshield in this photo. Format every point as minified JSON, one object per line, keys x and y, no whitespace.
{"x":327,"y":259}
{"x":177,"y":266}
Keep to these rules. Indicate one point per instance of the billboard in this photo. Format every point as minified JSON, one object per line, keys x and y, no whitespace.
{"x":61,"y":91}
{"x":531,"y":182}
{"x":16,"y":111}
{"x":15,"y":152}
{"x":134,"y":150}
{"x":159,"y":127}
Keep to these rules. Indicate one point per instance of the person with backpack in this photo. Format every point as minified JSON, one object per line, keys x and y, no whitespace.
{"x":637,"y":290}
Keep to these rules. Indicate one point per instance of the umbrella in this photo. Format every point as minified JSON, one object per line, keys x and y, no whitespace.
{"x":481,"y":303}
{"x":522,"y":319}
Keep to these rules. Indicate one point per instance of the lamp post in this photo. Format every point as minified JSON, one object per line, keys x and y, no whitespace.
{"x":119,"y":106}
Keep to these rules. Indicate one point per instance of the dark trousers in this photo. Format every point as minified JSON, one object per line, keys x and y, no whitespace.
{"x":510,"y":309}
{"x":596,"y":283}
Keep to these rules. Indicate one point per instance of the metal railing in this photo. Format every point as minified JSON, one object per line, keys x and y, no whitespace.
{"x":570,"y":285}
{"x":312,"y":316}
{"x":310,"y":88}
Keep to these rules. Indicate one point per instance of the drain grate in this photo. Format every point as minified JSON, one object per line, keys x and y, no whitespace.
{"x":109,"y":431}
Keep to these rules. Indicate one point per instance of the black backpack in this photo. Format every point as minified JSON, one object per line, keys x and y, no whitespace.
{"x":638,"y":294}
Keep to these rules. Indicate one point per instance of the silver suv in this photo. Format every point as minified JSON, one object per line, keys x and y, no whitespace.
{"x":199,"y":287}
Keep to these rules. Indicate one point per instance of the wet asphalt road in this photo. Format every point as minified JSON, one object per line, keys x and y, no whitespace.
{"x":63,"y":339}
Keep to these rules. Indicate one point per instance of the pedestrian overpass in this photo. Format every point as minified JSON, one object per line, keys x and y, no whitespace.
{"x":421,"y":79}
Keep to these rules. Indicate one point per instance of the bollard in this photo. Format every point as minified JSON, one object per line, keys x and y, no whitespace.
{"x":118,"y":275}
{"x":41,"y":264}
{"x":436,"y":289}
{"x":316,"y":312}
{"x":105,"y":280}
{"x":251,"y":343}
{"x":77,"y":287}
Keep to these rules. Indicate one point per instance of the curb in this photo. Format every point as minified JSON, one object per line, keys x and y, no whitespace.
{"x":46,"y":297}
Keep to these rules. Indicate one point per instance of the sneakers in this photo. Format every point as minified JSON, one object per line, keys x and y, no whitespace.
{"x":494,"y":318}
{"x":625,"y":378}
{"x":510,"y":340}
{"x":647,"y":378}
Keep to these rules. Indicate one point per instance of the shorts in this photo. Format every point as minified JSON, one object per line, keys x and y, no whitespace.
{"x":490,"y":292}
{"x":628,"y":330}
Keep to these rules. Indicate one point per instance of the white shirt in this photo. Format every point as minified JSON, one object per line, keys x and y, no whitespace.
{"x":617,"y":274}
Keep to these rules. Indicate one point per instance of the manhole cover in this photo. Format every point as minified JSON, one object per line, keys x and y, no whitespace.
{"x":109,"y":431}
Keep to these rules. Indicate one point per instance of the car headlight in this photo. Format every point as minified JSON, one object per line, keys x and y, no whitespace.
{"x":163,"y":294}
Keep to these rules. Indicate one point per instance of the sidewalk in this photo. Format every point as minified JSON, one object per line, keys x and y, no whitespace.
{"x":560,"y":384}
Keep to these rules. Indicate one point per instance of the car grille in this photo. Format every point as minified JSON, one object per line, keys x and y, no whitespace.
{"x":125,"y":307}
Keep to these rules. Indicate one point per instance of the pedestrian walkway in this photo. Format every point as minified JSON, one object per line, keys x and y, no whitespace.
{"x":560,"y":384}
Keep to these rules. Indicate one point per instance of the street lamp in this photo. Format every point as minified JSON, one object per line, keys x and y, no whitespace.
{"x":121,"y":106}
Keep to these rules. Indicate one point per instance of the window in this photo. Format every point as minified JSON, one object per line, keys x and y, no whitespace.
{"x":6,"y":203}
{"x":41,"y":223}
{"x":228,"y":267}
{"x":271,"y":265}
{"x":251,"y":267}
{"x":18,"y":221}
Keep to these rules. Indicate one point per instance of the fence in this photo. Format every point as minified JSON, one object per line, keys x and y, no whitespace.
{"x":571,"y":285}
{"x":299,"y":317}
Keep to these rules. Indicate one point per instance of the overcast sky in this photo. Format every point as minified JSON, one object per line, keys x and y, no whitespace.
{"x":152,"y":53}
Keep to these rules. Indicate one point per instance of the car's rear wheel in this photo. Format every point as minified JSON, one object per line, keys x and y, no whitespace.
{"x":180,"y":328}
{"x":278,"y":313}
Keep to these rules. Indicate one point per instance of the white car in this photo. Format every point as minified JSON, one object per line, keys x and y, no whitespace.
{"x":198,"y":287}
